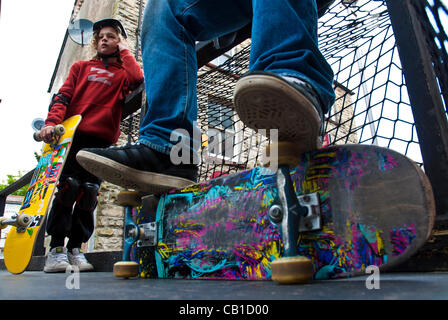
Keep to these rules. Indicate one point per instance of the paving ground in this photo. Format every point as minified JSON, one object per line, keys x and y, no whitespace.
{"x":104,"y":286}
{"x":194,"y":296}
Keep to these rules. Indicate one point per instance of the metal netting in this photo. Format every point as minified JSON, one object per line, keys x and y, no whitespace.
{"x":357,"y":39}
{"x":372,"y":105}
{"x":227,"y":144}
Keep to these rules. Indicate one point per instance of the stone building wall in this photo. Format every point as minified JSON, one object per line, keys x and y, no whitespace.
{"x":340,"y":121}
{"x":109,"y":216}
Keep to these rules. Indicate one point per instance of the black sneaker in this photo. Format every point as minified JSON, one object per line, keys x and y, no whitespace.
{"x":137,"y":167}
{"x":265,"y":100}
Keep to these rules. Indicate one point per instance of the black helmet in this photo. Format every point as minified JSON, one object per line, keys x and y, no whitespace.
{"x":110,"y":23}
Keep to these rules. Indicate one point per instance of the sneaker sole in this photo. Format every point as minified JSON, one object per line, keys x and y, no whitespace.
{"x":127,"y":177}
{"x":266,"y":102}
{"x":84,"y":268}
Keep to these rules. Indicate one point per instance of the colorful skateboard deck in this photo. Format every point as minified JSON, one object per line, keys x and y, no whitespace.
{"x":367,"y":205}
{"x":19,"y":244}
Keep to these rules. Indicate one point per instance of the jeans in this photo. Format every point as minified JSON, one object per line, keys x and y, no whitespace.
{"x":284,"y":41}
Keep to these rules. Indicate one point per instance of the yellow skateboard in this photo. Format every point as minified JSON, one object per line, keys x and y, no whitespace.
{"x":25,"y":226}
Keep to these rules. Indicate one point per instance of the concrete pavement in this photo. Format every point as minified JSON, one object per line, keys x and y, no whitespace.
{"x":104,"y":286}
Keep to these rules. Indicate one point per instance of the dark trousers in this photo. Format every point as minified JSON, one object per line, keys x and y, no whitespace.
{"x":69,"y":219}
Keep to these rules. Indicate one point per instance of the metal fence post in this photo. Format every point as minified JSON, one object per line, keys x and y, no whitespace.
{"x":425,"y":97}
{"x":2,"y":204}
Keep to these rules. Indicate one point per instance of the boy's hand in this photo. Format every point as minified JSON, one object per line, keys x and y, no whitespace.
{"x":46,"y":133}
{"x":122,"y":45}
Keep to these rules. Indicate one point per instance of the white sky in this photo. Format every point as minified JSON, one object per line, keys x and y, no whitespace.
{"x":31,"y":34}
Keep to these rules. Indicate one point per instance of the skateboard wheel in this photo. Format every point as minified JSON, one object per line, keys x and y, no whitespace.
{"x":23,"y":220}
{"x":3,"y":226}
{"x":290,"y":270}
{"x":126,"y":269}
{"x":129,"y":198}
{"x":288,"y":153}
{"x":36,"y":136}
{"x":59,"y":130}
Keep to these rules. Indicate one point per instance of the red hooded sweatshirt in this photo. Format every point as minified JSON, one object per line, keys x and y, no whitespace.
{"x":97,"y":94}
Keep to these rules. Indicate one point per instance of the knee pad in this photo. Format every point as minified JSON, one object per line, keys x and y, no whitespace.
{"x":67,"y":192}
{"x":88,"y":197}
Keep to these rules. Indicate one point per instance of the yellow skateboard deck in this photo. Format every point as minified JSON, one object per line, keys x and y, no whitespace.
{"x":20,"y":241}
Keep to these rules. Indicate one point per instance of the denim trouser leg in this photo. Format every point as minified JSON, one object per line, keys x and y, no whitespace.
{"x":284,"y":40}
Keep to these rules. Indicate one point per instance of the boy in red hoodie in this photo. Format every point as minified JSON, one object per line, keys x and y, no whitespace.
{"x":95,"y":89}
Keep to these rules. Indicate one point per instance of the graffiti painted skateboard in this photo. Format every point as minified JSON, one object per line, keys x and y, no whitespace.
{"x":21,"y":238}
{"x":333,"y":214}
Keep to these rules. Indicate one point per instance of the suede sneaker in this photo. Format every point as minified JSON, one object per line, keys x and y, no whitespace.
{"x":57,"y":260}
{"x":78,"y":259}
{"x":265,"y":100}
{"x":138,"y":167}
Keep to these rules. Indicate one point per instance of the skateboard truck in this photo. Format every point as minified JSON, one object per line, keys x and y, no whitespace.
{"x":147,"y":235}
{"x":20,"y":221}
{"x":292,"y":215}
{"x":311,"y":221}
{"x":143,"y":234}
{"x":127,"y":268}
{"x":58,"y":131}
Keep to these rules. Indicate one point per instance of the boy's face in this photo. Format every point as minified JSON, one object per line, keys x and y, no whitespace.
{"x":108,"y":40}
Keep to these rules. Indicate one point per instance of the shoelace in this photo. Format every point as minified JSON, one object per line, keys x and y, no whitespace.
{"x":311,"y":94}
{"x":61,"y":257}
{"x":79,"y":258}
{"x":126,"y":145}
